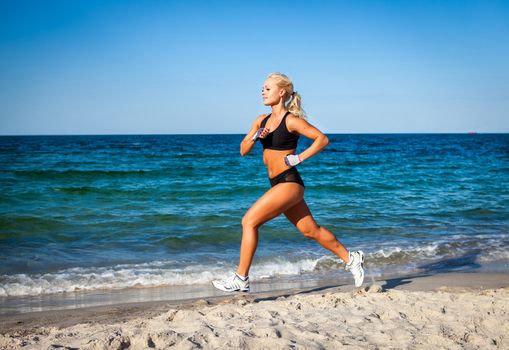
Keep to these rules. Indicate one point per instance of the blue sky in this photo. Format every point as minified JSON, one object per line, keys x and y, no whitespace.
{"x":136,"y":67}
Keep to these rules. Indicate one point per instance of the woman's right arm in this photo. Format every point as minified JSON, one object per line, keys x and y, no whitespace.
{"x":247,"y":144}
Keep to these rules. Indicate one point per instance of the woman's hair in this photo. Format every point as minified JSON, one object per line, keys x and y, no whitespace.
{"x":294,"y":105}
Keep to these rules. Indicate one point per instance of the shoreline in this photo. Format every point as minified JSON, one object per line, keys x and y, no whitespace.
{"x":68,"y":300}
{"x":125,"y":311}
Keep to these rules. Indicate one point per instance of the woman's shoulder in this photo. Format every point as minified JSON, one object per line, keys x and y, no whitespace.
{"x":292,"y":118}
{"x":293,"y":122}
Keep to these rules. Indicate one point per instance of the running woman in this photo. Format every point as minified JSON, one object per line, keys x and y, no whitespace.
{"x":278,"y":133}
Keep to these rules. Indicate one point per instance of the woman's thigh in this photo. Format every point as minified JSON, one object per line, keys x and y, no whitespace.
{"x":274,"y":202}
{"x":301,"y":217}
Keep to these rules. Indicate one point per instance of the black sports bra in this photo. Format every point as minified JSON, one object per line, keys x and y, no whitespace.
{"x":281,"y":138}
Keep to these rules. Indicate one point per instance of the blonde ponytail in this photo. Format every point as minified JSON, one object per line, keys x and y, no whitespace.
{"x":294,"y":104}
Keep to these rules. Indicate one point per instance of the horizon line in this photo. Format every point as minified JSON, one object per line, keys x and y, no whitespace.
{"x":328,"y":133}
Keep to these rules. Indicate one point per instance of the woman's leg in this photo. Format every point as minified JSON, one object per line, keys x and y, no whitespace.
{"x":301,"y":217}
{"x":274,"y":202}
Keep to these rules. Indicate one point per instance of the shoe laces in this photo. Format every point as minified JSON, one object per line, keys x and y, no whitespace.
{"x":356,"y":268}
{"x":353,"y":266}
{"x":229,"y":280}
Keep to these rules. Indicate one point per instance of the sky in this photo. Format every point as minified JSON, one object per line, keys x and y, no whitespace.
{"x":197,"y":67}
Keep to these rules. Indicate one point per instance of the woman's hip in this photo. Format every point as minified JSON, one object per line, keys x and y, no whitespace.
{"x":289,"y":175}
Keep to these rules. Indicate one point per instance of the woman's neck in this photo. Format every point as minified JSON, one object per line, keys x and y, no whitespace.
{"x":278,"y":110}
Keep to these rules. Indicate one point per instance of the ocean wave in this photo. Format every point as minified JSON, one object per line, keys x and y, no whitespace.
{"x":157,"y":273}
{"x":341,"y":189}
{"x":164,"y":273}
{"x":28,"y":223}
{"x":76,"y":172}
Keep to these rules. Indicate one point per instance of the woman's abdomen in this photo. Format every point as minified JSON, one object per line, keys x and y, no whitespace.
{"x":275,"y":161}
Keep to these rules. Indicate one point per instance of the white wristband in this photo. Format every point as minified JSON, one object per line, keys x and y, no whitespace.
{"x":292,"y":160}
{"x":257,"y":134}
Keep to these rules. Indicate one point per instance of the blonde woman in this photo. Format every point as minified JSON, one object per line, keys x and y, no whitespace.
{"x":279,"y":132}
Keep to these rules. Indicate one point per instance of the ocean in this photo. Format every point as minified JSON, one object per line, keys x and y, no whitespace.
{"x":85,"y":213}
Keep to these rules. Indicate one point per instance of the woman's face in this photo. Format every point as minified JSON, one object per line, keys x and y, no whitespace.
{"x":271,"y":93}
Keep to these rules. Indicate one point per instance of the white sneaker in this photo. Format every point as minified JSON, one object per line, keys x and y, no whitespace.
{"x":232,"y":284}
{"x":356,"y":266}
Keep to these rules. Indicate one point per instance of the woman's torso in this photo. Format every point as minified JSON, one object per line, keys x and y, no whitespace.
{"x":277,"y":144}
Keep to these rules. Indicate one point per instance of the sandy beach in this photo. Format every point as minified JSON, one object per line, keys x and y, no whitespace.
{"x":450,"y":310}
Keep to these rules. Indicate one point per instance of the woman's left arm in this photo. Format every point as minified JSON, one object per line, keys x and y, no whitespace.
{"x":302,"y":127}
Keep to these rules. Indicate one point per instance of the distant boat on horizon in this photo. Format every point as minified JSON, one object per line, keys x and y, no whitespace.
{"x":472,"y":132}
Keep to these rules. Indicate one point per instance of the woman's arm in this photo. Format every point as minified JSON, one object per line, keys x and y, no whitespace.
{"x":247,"y":143}
{"x":302,"y":127}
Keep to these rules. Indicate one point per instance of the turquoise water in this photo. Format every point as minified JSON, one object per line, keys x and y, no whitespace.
{"x":109,"y":212}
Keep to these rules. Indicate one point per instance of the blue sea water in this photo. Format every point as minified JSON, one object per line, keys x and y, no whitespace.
{"x":110,"y":212}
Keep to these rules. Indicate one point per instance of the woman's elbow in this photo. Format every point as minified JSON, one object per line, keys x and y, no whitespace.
{"x":325,"y":141}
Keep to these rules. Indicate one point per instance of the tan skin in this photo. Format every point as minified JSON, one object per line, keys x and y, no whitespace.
{"x":284,"y":198}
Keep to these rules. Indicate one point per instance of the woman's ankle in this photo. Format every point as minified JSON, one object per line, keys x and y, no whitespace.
{"x":243,"y":277}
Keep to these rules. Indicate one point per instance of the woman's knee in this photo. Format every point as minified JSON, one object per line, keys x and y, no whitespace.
{"x":311,"y":232}
{"x":248,"y":221}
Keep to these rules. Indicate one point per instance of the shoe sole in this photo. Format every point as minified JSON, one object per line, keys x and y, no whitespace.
{"x":362,"y":266}
{"x":233,"y":290}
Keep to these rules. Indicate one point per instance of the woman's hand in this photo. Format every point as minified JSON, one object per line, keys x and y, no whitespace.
{"x":254,"y":134}
{"x":260,"y":134}
{"x":292,"y":160}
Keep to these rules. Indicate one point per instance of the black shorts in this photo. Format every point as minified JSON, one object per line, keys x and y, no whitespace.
{"x":289,"y":175}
